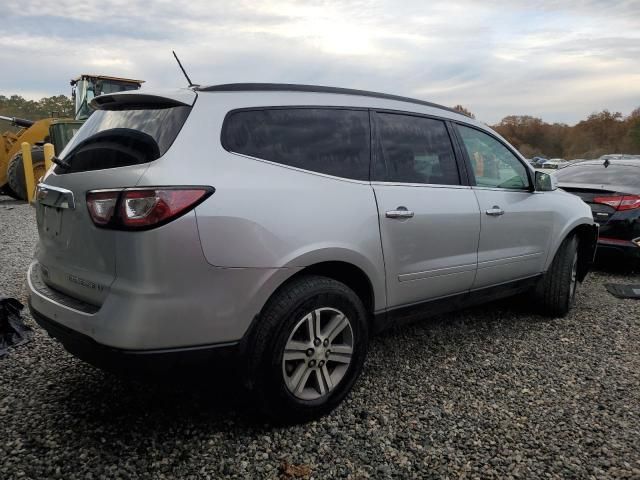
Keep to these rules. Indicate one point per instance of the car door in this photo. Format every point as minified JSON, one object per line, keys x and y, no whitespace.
{"x":429,"y":220}
{"x":516,"y":221}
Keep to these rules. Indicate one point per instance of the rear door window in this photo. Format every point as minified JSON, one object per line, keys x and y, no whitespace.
{"x":416,"y":150}
{"x":118,"y":138}
{"x":325,"y":140}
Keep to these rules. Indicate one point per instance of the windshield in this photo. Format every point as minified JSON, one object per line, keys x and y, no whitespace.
{"x":614,"y":174}
{"x":86,"y":89}
{"x":116,"y":138}
{"x":82,"y":101}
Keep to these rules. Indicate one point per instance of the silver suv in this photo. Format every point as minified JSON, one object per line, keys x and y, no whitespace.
{"x":280,"y":226}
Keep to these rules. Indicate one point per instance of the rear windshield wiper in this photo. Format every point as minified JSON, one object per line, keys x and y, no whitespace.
{"x":58,"y":161}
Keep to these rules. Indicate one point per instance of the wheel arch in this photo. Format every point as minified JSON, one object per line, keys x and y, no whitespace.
{"x":351,"y":274}
{"x":587,"y":243}
{"x":587,"y":234}
{"x":349,"y":266}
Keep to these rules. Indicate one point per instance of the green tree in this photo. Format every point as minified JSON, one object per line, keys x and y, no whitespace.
{"x":464,"y":111}
{"x":634,"y":135}
{"x":601,"y":133}
{"x":17,"y":106}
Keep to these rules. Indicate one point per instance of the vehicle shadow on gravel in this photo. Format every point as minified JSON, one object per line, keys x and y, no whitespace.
{"x":507,"y":319}
{"x":499,"y":317}
{"x":8,"y":201}
{"x":91,"y":402}
{"x":214,"y":400}
{"x":95,"y":405}
{"x":170,"y":398}
{"x":617,"y":266}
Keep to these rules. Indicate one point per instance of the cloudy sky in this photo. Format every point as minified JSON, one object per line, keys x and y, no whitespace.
{"x":553,"y":59}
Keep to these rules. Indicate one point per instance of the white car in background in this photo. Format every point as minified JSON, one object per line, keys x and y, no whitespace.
{"x":619,"y":156}
{"x":555,"y":163}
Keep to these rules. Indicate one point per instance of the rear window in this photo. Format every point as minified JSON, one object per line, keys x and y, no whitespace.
{"x":118,"y":138}
{"x":331,"y":141}
{"x":618,"y":175}
{"x":417,"y":150}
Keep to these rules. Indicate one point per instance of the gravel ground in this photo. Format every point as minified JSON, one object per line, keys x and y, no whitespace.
{"x":489,"y":392}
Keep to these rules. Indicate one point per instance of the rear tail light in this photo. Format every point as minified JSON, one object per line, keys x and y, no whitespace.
{"x":101,"y":206}
{"x":143,"y":208}
{"x":620,"y":202}
{"x":629,"y":202}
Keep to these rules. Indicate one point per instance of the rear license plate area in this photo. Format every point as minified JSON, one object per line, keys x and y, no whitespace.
{"x":52,"y":221}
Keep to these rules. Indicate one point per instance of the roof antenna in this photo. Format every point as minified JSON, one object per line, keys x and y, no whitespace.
{"x":606,"y":162}
{"x":191,"y":84}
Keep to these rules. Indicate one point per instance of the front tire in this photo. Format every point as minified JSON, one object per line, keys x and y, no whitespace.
{"x":557,"y":291}
{"x":308,"y":349}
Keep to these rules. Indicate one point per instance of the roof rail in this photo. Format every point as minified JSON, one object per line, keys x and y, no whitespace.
{"x":294,"y":87}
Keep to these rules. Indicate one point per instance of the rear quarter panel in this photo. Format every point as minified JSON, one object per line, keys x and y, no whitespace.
{"x":265,"y":215}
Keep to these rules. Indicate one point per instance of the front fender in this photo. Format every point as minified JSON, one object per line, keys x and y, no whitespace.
{"x":587,"y":249}
{"x":587,"y":231}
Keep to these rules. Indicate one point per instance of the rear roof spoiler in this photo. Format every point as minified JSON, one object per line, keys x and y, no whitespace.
{"x":135,"y":99}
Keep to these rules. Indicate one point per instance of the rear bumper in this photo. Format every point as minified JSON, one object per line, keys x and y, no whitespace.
{"x":134,"y":361}
{"x":177,"y":311}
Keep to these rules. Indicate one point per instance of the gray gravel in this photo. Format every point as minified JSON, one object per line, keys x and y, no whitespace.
{"x":490,"y":392}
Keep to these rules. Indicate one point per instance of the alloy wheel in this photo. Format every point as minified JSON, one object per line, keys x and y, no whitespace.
{"x":318,"y":353}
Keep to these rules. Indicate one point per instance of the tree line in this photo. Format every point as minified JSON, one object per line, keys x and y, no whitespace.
{"x":601,"y":133}
{"x":17,"y":106}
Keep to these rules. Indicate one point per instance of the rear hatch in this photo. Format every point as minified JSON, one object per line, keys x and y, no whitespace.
{"x":111,"y":151}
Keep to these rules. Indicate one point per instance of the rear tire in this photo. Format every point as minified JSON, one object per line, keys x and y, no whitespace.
{"x":557,"y":291}
{"x":15,"y":172}
{"x":311,"y":380}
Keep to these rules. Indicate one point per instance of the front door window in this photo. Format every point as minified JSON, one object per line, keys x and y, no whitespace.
{"x":493,"y":164}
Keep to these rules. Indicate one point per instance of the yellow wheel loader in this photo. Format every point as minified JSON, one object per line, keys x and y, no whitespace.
{"x":54,"y":130}
{"x":11,"y":170}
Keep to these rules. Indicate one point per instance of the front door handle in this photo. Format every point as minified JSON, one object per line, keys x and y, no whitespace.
{"x":496,"y":211}
{"x":400,"y":212}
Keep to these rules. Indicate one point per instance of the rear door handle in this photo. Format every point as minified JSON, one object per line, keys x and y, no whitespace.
{"x":400,"y":212}
{"x":496,"y":211}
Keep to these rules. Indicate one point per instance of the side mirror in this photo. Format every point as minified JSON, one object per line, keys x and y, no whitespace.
{"x":545,"y":182}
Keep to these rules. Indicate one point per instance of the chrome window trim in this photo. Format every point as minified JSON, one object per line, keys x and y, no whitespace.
{"x":430,"y":185}
{"x":498,"y":189}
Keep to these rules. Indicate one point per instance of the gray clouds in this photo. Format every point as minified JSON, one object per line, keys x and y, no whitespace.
{"x":558,"y":61}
